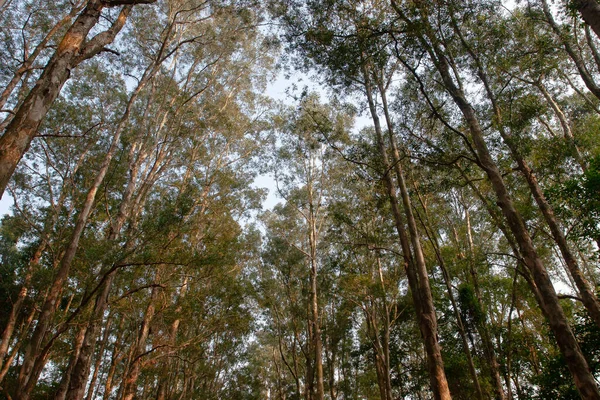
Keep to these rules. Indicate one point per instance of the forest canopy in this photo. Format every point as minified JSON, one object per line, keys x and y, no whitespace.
{"x":436,"y":232}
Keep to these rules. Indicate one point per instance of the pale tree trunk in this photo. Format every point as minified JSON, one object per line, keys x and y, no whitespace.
{"x":379,"y":341}
{"x":568,"y":134}
{"x":116,"y":357}
{"x":488,"y":347}
{"x":385,"y":340}
{"x":27,"y":377}
{"x":49,"y":225}
{"x":135,"y":366}
{"x":71,"y":51}
{"x":586,"y":77}
{"x":99,"y":359}
{"x":309,"y":354}
{"x":381,"y":354}
{"x":414,"y":263}
{"x":164,"y":380}
{"x":314,"y":300}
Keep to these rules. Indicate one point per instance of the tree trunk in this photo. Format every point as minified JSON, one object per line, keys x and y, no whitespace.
{"x":587,"y":78}
{"x":488,"y":347}
{"x":99,"y":359}
{"x":49,"y":225}
{"x":71,"y":51}
{"x":318,"y":344}
{"x":28,"y":63}
{"x":416,"y":269}
{"x":64,"y":383}
{"x":459,"y":323}
{"x":589,"y":299}
{"x":34,"y":346}
{"x":133,"y":372}
{"x":590,"y":12}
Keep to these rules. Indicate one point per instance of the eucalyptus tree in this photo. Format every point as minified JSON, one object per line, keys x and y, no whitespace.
{"x":423,"y":24}
{"x":338,"y":38}
{"x":304,"y":175}
{"x":511,"y":129}
{"x":73,"y":49}
{"x":217,"y":77}
{"x":367,"y":261}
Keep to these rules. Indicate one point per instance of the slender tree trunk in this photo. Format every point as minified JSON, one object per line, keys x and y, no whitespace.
{"x":564,"y":123}
{"x":488,"y":347}
{"x":459,"y":323}
{"x":115,"y":359}
{"x":587,"y":78}
{"x":26,"y":378}
{"x":318,"y":344}
{"x":99,"y":359}
{"x":428,"y":320}
{"x":164,"y":380}
{"x":130,"y":379}
{"x":416,"y":269}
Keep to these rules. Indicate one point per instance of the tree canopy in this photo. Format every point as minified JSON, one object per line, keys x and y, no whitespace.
{"x":436,"y":232}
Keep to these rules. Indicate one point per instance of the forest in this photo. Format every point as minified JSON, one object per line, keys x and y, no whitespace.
{"x":416,"y":217}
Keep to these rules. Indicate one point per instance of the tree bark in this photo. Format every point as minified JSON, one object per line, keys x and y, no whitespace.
{"x":590,"y":12}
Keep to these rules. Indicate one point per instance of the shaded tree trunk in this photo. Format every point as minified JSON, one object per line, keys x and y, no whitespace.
{"x":590,"y":12}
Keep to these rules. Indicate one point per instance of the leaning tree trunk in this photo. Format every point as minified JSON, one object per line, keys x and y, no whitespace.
{"x":71,"y":51}
{"x":415,"y":264}
{"x":27,"y":377}
{"x":590,"y":12}
{"x":578,"y":366}
{"x":49,"y":225}
{"x":589,"y":299}
{"x":428,"y":320}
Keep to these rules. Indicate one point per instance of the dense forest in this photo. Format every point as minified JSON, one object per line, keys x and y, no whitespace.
{"x":436,"y":232}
